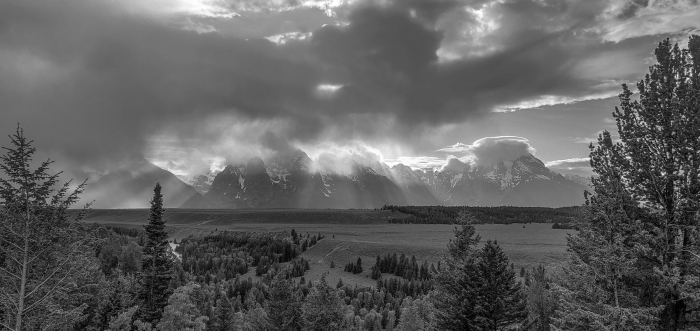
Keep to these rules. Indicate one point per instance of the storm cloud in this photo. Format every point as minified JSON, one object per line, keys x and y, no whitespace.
{"x":92,"y":81}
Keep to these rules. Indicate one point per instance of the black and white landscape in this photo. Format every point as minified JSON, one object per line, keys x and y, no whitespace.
{"x":350,"y":165}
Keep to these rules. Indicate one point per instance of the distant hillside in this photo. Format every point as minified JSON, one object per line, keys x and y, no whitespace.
{"x":131,"y":186}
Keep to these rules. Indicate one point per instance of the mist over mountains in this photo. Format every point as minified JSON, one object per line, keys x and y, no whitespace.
{"x":292,"y":179}
{"x":131,"y":186}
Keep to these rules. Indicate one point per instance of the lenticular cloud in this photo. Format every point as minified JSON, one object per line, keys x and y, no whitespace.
{"x":491,"y":150}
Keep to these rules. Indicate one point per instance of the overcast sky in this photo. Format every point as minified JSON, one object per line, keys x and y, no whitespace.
{"x":195,"y":84}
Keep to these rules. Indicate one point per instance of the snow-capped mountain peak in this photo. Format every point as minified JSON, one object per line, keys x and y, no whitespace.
{"x":293,"y":180}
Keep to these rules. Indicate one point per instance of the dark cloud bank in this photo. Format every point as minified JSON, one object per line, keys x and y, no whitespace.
{"x":93,"y":80}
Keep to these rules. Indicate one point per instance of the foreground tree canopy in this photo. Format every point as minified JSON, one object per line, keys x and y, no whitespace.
{"x":46,"y":265}
{"x":636,"y":259}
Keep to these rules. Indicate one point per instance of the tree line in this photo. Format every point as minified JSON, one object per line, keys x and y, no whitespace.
{"x":483,"y":215}
{"x":225,"y":255}
{"x":402,"y":266}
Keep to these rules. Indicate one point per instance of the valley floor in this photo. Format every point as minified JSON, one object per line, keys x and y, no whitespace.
{"x":350,"y":234}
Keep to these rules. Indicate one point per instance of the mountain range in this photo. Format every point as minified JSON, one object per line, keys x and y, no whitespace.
{"x":293,"y":180}
{"x":131,"y":186}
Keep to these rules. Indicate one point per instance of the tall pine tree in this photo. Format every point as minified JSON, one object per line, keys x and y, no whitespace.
{"x":47,"y":261}
{"x":500,"y":301}
{"x":322,"y":310}
{"x":596,"y":288}
{"x":456,"y":282}
{"x":541,"y":301}
{"x":157,"y":267}
{"x":476,"y":289}
{"x":225,"y":314}
{"x":181,"y":313}
{"x":417,"y":315}
{"x":284,"y":306}
{"x":660,"y":139}
{"x":637,"y":255}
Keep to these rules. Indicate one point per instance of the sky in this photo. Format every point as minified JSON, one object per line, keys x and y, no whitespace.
{"x":194,"y":85}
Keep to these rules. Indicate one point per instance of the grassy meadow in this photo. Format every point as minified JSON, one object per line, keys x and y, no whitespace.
{"x":351,"y":234}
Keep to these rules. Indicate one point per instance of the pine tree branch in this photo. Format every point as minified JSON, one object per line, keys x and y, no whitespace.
{"x":42,"y":215}
{"x":21,"y":249}
{"x":40,"y":253}
{"x":5,"y":326}
{"x":9,"y":229}
{"x":9,"y":299}
{"x":7,"y":252}
{"x":56,"y":269}
{"x":3,"y":270}
{"x":8,"y":309}
{"x":15,"y":285}
{"x":689,"y":251}
{"x":10,"y":242}
{"x":48,"y":293}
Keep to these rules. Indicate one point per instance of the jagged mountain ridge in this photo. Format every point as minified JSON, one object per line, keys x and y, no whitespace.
{"x":525,"y":181}
{"x":290,"y":180}
{"x":293,"y":180}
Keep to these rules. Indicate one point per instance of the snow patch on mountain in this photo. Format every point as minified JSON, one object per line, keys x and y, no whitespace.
{"x":294,"y":180}
{"x":456,"y":179}
{"x":202,"y":183}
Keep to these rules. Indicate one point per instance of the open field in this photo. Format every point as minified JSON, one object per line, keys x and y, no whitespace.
{"x":353,"y":233}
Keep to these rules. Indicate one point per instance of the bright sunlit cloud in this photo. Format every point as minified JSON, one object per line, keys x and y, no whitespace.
{"x":283,"y":38}
{"x":325,"y":91}
{"x":551,"y":100}
{"x":491,"y":150}
{"x":418,"y":162}
{"x":624,"y":19}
